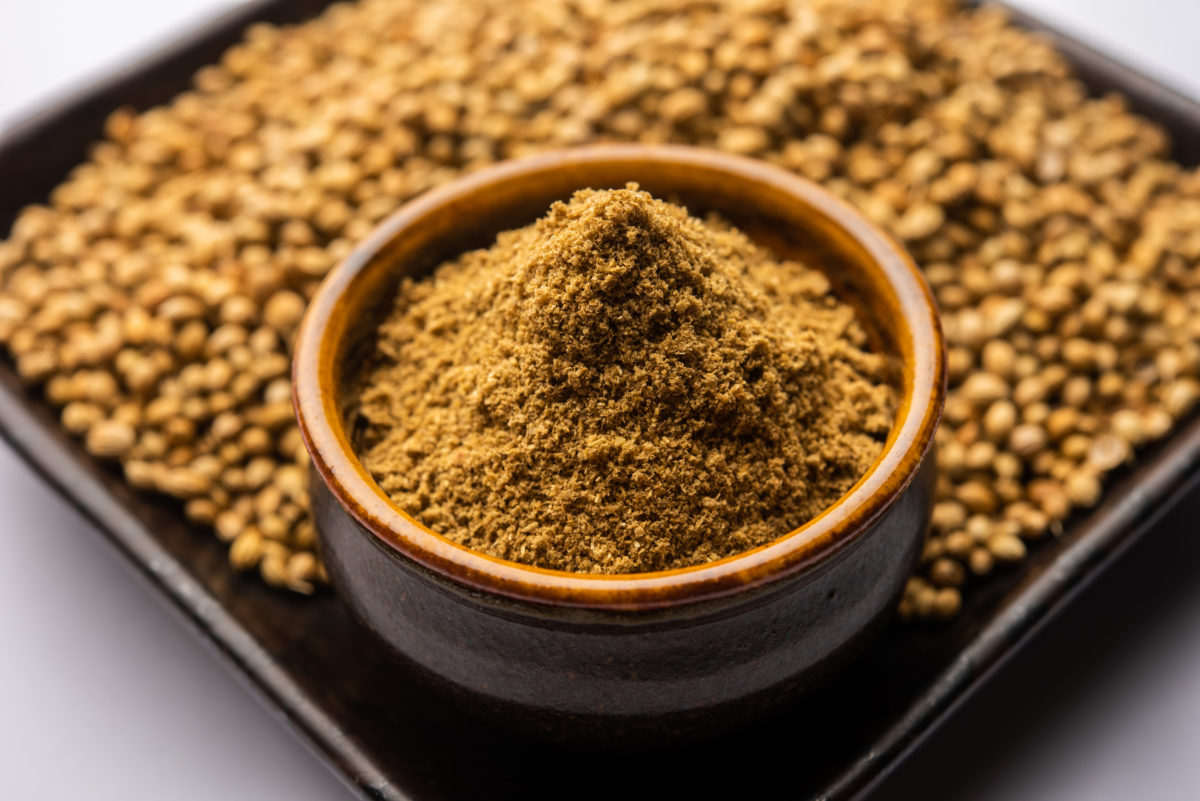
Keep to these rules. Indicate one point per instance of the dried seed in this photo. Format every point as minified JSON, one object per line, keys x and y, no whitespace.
{"x":999,"y":420}
{"x":984,"y":388}
{"x":1083,"y":488}
{"x":36,"y":366}
{"x":182,"y":482}
{"x":1006,"y":548}
{"x":283,"y":311}
{"x":255,"y":441}
{"x":946,"y":573}
{"x":1051,"y":498}
{"x":78,"y":417}
{"x":229,"y":524}
{"x":140,"y":474}
{"x":1127,"y":424}
{"x":201,"y":510}
{"x":946,"y":603}
{"x":246,"y":550}
{"x":980,"y":561}
{"x":999,"y":358}
{"x":977,"y":496}
{"x":920,"y":221}
{"x":110,"y":439}
{"x":1107,"y":452}
{"x":273,"y":567}
{"x":1027,"y":439}
{"x":957,"y":544}
{"x":302,"y":570}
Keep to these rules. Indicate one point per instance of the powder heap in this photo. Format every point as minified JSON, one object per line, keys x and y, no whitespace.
{"x":620,"y":387}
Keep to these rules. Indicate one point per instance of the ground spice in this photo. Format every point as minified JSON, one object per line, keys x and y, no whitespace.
{"x":618,"y":388}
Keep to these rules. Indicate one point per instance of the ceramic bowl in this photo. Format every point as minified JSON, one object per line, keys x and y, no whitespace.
{"x":641,"y":645}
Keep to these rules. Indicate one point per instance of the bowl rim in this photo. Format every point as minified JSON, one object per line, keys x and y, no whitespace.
{"x":918,"y":413}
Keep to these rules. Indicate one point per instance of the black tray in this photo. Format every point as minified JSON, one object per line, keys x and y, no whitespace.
{"x":391,"y":738}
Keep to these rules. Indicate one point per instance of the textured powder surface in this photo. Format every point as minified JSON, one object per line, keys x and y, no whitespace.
{"x":619,"y":388}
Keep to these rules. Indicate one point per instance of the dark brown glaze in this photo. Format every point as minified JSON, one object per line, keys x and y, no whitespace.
{"x":635,"y":644}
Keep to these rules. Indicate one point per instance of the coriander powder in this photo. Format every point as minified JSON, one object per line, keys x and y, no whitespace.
{"x":620,"y":387}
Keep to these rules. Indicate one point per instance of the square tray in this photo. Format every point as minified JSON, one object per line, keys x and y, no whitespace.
{"x":386,"y":735}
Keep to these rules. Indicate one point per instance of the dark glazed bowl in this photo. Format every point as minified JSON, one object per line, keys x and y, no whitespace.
{"x":642,"y":645}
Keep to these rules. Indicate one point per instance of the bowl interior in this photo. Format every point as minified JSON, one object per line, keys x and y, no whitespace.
{"x":794,"y":218}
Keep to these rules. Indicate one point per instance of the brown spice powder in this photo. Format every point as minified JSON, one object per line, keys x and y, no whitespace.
{"x":618,"y":388}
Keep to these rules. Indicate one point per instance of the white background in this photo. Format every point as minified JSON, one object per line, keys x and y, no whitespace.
{"x":104,"y":695}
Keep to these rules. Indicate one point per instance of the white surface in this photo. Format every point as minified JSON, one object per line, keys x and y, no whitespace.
{"x":106,"y":696}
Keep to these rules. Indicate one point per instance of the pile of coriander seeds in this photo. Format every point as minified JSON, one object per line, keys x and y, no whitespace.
{"x":156,"y":295}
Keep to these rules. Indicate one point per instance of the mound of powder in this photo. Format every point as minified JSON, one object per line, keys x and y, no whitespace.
{"x":619,"y":387}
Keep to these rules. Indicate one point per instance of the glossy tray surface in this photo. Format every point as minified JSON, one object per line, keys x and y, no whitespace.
{"x":387,"y":735}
